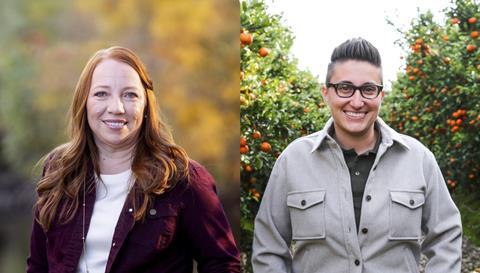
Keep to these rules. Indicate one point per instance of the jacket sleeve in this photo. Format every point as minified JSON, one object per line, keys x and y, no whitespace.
{"x":37,"y":258}
{"x":272,"y":234}
{"x":207,"y":227}
{"x":441,"y":223}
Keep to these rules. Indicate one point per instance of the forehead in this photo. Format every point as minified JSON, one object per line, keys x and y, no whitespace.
{"x":357,"y":72}
{"x":111,"y":71}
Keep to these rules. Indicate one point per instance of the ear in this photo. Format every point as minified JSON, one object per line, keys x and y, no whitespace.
{"x":325,"y":93}
{"x":382,"y":94}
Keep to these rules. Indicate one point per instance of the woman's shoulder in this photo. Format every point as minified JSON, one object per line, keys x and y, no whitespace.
{"x":198,"y":179}
{"x":51,"y":159}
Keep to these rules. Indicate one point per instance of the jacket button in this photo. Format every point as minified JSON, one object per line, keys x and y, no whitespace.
{"x":412,"y":202}
{"x":364,"y":230}
{"x":357,"y":262}
{"x":369,"y":197}
{"x":303,"y":203}
{"x":153,"y":212}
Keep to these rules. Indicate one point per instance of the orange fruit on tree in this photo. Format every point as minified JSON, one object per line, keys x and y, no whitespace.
{"x":256,"y":134}
{"x":244,"y":149}
{"x":266,"y":147}
{"x":419,"y":41}
{"x":411,"y":78}
{"x":414,"y":118}
{"x":263,"y":51}
{"x":458,"y":121}
{"x":455,"y":129}
{"x":472,"y":20}
{"x":243,"y":141}
{"x":474,"y":34}
{"x":454,"y":21}
{"x":248,"y":168}
{"x":471,"y":48}
{"x":246,"y":38}
{"x":415,"y":70}
{"x":445,"y":38}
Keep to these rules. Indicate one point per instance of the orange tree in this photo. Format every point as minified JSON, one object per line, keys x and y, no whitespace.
{"x":436,"y":98}
{"x":278,"y":103}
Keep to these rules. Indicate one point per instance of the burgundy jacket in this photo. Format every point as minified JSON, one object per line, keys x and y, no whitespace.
{"x":184,"y":224}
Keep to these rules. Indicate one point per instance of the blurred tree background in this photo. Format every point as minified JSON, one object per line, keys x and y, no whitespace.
{"x":191,"y":50}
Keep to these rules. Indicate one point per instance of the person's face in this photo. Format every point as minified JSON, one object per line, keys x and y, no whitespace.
{"x":115,"y":104}
{"x":354,"y":116}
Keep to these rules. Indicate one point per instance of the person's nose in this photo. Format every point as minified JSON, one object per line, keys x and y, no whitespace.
{"x":357,"y":100}
{"x":115,"y":106}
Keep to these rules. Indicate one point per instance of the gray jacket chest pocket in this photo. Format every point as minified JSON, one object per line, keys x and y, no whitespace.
{"x":307,"y":214}
{"x":406,"y":214}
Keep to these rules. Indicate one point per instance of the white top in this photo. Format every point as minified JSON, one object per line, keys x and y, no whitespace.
{"x":111,"y":194}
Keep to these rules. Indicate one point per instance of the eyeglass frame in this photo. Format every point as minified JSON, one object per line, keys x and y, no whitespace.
{"x":355,"y":88}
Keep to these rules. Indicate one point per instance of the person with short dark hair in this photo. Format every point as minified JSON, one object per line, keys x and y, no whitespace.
{"x":120,"y":196}
{"x":356,"y":196}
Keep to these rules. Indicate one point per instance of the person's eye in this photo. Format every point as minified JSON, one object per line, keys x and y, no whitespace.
{"x":369,"y":88}
{"x":131,"y":95}
{"x":345,"y":87}
{"x":100,"y":94}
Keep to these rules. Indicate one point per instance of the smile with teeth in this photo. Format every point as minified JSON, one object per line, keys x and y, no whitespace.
{"x":115,"y":124}
{"x":355,"y":114}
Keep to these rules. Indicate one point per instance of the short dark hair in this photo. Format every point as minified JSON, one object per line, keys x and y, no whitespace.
{"x":354,"y":49}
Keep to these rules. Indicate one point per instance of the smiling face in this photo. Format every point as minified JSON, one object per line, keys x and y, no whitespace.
{"x":354,"y":117}
{"x":115,"y":105}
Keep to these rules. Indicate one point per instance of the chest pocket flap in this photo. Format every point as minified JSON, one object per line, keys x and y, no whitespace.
{"x":305,"y":199}
{"x":411,"y":200}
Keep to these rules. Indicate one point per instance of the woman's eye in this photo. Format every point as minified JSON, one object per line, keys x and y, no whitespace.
{"x":131,"y":95}
{"x":100,"y":94}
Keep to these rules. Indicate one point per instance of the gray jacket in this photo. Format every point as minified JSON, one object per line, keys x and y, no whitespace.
{"x":306,"y":221}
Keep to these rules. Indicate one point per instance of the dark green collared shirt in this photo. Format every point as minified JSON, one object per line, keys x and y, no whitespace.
{"x":359,"y":167}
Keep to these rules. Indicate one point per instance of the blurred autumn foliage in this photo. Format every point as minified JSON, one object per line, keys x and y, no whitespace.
{"x":190,"y":48}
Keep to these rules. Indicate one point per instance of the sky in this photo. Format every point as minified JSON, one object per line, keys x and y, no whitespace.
{"x":321,"y":25}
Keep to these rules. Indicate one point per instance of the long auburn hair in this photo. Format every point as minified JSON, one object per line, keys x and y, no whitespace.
{"x":158,"y":163}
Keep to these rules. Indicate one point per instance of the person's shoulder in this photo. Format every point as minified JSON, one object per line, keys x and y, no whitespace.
{"x":413,"y":143}
{"x":198,"y":176}
{"x":414,"y":146}
{"x":303,"y":144}
{"x":53,"y":157}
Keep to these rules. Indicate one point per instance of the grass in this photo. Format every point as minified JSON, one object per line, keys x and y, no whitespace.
{"x":469,"y":206}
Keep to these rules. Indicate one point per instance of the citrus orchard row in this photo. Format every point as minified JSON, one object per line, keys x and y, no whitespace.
{"x":436,"y":99}
{"x":278,"y":103}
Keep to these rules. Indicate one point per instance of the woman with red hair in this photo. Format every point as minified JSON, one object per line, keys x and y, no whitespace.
{"x":121,"y":196}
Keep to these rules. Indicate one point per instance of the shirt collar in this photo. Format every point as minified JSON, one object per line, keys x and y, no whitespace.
{"x":389,"y":136}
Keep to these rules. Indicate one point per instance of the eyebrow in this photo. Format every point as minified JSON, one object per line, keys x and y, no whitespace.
{"x":108,"y":87}
{"x":365,"y":83}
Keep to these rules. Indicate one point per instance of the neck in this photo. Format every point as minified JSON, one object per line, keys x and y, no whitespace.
{"x":360,"y":143}
{"x":114,"y":161}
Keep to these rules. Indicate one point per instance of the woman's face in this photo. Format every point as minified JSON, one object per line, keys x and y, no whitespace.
{"x":115,"y":105}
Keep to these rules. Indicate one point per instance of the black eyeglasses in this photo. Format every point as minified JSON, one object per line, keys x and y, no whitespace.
{"x":346,"y":90}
